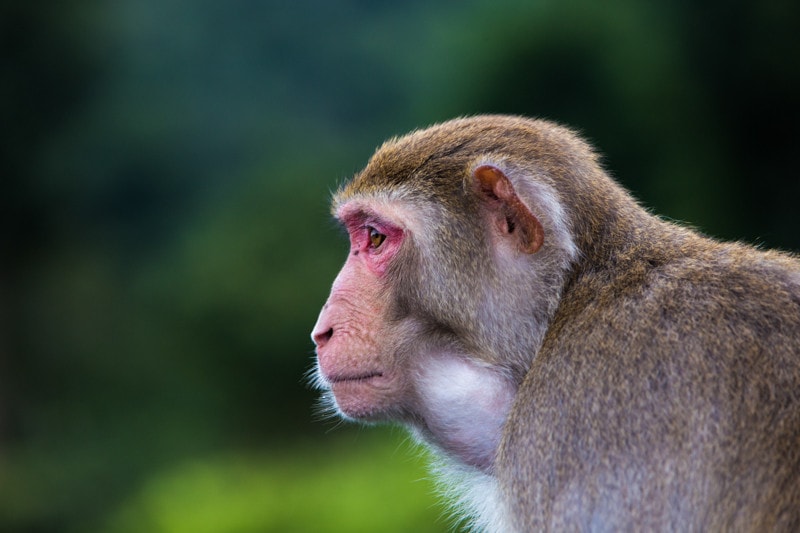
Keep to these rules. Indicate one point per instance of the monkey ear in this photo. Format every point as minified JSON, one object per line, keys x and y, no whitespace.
{"x":510,"y":215}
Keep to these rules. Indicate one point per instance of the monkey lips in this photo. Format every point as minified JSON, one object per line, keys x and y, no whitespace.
{"x":358,"y":396}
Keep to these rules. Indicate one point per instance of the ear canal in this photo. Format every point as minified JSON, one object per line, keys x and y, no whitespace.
{"x":507,"y":210}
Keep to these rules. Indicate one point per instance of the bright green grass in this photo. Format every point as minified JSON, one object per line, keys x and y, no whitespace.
{"x":369,"y":481}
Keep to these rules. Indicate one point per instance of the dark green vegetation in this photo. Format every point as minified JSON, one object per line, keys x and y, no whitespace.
{"x":166,"y":245}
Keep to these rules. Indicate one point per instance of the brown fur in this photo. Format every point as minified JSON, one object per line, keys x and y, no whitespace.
{"x":663,"y":388}
{"x":666,"y":393}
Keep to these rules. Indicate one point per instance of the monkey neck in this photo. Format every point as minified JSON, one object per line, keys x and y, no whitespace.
{"x":610,"y":226}
{"x":618,"y":249}
{"x":613,"y":237}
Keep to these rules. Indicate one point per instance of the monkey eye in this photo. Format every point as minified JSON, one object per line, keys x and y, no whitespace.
{"x":376,"y":238}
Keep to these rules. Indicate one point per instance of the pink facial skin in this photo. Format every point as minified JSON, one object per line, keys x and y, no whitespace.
{"x":360,"y":225}
{"x":349,"y":333}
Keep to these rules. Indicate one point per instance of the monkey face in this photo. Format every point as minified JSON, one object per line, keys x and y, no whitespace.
{"x":356,"y":348}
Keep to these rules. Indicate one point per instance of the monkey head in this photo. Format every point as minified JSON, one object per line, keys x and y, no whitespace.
{"x":420,"y":326}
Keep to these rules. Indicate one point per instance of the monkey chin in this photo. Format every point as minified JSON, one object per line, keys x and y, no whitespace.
{"x":364,"y":398}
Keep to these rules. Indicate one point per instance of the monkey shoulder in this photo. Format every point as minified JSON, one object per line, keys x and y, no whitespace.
{"x":700,"y":291}
{"x":719,"y":321}
{"x":643,"y":381}
{"x":728,"y":285}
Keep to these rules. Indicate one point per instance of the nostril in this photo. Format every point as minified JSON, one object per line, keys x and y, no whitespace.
{"x":322,"y":338}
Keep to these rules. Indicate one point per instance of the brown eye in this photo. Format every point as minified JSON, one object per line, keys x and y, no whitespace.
{"x":376,"y":238}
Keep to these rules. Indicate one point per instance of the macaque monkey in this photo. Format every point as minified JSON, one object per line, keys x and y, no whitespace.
{"x":577,"y":363}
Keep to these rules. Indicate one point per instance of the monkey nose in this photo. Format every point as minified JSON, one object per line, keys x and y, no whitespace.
{"x":322,"y":334}
{"x":323,"y":330}
{"x":321,"y":338}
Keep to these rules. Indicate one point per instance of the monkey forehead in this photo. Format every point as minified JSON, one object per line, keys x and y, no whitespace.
{"x":378,"y":196}
{"x":392,"y":206}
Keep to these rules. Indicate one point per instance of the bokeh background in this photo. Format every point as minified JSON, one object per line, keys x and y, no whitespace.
{"x":166,"y":242}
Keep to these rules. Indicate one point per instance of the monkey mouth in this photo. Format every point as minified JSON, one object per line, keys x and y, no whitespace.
{"x":363,"y":396}
{"x":354,"y":378}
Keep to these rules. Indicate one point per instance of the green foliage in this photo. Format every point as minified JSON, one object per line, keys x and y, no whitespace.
{"x":374,"y":484}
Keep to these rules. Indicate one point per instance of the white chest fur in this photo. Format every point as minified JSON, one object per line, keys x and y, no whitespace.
{"x":465,"y":405}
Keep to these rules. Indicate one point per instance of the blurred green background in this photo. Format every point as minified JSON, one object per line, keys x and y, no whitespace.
{"x":166,"y":243}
